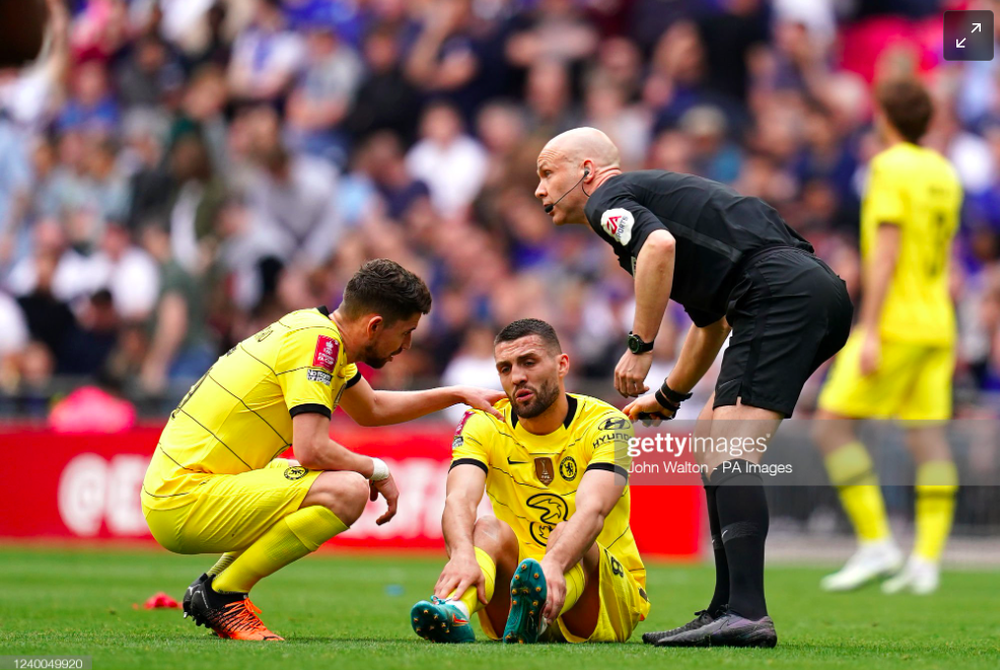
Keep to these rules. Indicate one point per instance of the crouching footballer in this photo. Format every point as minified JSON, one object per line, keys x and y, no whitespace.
{"x":558,"y":561}
{"x":216,"y":483}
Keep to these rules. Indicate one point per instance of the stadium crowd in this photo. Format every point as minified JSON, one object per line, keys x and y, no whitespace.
{"x":176,"y":174}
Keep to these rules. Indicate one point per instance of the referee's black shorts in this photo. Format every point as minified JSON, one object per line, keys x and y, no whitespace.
{"x":789,"y":313}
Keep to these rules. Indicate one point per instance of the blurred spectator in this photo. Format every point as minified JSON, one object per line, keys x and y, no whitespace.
{"x":13,"y":340}
{"x":91,"y":108}
{"x":385,"y":163}
{"x":151,"y":75}
{"x":321,"y":99}
{"x":454,"y":57}
{"x":555,"y":31}
{"x":49,"y":319}
{"x":451,"y":163}
{"x":712,"y":154}
{"x":266,"y":57}
{"x":296,"y":196}
{"x":92,"y":338}
{"x":548,"y":97}
{"x":729,"y":36}
{"x":473,"y":364}
{"x":607,"y":108}
{"x":180,"y":346}
{"x":386,"y":100}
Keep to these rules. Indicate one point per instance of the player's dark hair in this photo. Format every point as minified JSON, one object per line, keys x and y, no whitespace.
{"x":907,"y":105}
{"x":385,"y":288}
{"x":525,"y":327}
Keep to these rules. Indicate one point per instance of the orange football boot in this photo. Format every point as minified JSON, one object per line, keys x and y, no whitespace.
{"x":230,"y":615}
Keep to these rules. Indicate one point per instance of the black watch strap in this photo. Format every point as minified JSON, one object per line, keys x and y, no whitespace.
{"x":643,"y":346}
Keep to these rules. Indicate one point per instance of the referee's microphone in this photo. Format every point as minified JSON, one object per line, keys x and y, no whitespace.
{"x":550,"y":207}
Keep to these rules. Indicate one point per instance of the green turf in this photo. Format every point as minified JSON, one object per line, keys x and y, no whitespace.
{"x":349,"y":612}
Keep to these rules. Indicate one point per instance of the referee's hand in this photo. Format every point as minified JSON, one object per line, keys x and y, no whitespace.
{"x":630,"y":374}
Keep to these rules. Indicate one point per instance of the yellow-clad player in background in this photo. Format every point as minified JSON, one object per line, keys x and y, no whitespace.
{"x":900,"y":359}
{"x":555,"y":468}
{"x":215,"y":483}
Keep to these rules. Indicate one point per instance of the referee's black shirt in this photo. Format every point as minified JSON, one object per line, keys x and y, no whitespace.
{"x":716,"y":230}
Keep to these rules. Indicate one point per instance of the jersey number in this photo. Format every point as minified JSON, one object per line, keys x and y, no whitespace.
{"x":616,"y":567}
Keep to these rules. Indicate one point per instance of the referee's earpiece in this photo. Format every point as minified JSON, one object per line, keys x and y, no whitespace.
{"x":548,"y":208}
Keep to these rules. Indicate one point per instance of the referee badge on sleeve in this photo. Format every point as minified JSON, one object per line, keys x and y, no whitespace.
{"x":618,"y":224}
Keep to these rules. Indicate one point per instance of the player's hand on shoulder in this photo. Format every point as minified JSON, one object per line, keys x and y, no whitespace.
{"x":555,"y":582}
{"x":480,"y":398}
{"x":387,"y":488}
{"x":647,"y":410}
{"x":461,"y":572}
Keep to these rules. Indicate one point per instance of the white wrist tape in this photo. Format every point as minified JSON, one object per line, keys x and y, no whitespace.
{"x":380,"y":471}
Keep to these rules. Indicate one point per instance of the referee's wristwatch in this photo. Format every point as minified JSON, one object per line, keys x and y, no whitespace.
{"x":636,"y":344}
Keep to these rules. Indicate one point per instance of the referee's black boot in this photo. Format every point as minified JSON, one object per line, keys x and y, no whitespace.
{"x":702,"y":618}
{"x":729,"y":630}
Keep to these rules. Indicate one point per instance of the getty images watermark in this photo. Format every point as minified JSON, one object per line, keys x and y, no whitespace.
{"x":792,"y":453}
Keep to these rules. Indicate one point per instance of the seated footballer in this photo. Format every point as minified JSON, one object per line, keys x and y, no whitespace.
{"x":556,"y":470}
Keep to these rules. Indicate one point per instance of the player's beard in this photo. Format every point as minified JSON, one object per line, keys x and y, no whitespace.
{"x":542,"y":398}
{"x":370,"y":356}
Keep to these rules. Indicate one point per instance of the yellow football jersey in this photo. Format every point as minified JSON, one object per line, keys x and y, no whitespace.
{"x":238,"y":416}
{"x":918,"y":190}
{"x":532,"y":479}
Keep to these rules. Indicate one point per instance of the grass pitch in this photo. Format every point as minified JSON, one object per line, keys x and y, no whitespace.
{"x":346,"y":612}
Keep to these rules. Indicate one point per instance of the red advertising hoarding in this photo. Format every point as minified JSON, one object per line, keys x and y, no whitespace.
{"x":62,"y":487}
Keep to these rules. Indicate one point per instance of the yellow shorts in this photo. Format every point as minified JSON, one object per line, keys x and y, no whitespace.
{"x":913,"y":382}
{"x":623,"y":606}
{"x":229,"y":512}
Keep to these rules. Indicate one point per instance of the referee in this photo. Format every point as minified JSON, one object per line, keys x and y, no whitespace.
{"x":735,"y":266}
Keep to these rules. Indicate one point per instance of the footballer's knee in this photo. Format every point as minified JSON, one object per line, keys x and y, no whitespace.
{"x":590,"y":557}
{"x":831,"y":431}
{"x":494,"y":536}
{"x":343,"y":493}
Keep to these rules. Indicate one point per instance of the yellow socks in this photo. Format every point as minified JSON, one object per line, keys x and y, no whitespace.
{"x":298,"y":534}
{"x":471,"y":596}
{"x":937,"y":485}
{"x":576,"y":580}
{"x":850,"y":469}
{"x":224,"y":562}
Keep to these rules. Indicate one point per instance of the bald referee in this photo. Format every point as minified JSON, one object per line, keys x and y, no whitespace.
{"x":735,"y":266}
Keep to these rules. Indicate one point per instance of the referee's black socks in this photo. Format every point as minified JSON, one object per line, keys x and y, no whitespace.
{"x":742,"y":523}
{"x":720,"y":599}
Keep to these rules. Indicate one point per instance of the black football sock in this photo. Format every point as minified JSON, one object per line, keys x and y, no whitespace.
{"x":720,"y":598}
{"x":743,"y":520}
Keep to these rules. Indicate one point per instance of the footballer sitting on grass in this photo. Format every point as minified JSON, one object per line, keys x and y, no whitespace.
{"x":215,"y":483}
{"x":555,"y":467}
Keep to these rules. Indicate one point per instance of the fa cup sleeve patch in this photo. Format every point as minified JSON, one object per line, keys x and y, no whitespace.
{"x":327,"y":350}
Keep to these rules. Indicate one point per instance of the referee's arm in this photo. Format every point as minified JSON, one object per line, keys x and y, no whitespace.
{"x":654,"y":277}
{"x":701,"y":346}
